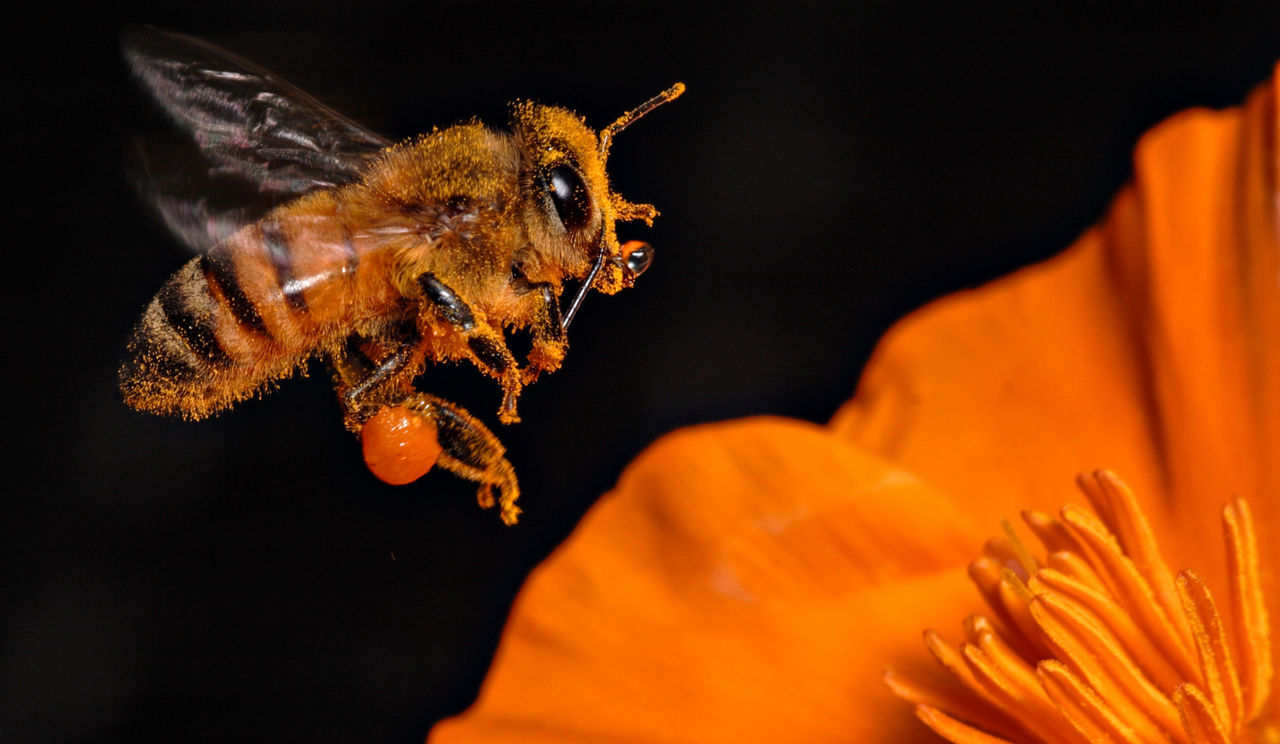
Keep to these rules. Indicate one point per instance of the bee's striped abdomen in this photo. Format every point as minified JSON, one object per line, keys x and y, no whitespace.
{"x":279,"y":252}
{"x":220,"y":273}
{"x":175,"y":352}
{"x":253,"y":309}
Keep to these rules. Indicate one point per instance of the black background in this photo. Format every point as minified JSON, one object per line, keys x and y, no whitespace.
{"x":830,"y":168}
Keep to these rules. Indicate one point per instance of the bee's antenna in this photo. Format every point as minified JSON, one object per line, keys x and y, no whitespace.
{"x":625,"y":210}
{"x":582,"y":291}
{"x":627,"y":119}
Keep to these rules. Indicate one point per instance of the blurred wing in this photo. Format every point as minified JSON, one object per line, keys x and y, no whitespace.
{"x":198,"y":205}
{"x":254,"y":132}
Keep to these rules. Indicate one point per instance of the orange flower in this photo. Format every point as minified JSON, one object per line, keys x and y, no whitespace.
{"x":752,"y":581}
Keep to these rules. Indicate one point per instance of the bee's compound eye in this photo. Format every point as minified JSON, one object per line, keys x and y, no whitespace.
{"x":569,"y":196}
{"x":640,"y":257}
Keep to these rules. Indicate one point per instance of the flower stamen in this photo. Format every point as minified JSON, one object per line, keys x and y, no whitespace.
{"x":1018,"y":694}
{"x":1221,"y":682}
{"x":1089,"y":649}
{"x":1025,"y":559}
{"x":1115,"y":502}
{"x":1199,"y":717}
{"x":953,"y":730}
{"x":1100,"y":642}
{"x":1248,"y":609}
{"x":1082,"y":706}
{"x":1129,"y":587}
{"x":1136,"y":643}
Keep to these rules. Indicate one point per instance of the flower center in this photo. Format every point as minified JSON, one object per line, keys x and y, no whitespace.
{"x":1100,"y":642}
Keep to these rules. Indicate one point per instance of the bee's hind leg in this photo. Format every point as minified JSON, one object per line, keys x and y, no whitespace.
{"x":470,"y":451}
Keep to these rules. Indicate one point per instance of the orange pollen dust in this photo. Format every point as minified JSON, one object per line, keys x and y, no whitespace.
{"x":1100,"y":641}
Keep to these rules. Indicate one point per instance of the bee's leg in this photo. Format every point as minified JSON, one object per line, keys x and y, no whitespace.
{"x":488,"y":346}
{"x":549,"y":339}
{"x":470,"y":451}
{"x":383,"y":372}
{"x":360,"y":381}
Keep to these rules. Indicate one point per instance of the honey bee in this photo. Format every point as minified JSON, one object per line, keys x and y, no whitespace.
{"x":378,"y":257}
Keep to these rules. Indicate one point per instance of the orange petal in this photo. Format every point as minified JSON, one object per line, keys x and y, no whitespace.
{"x":1151,"y":347}
{"x":747,"y":581}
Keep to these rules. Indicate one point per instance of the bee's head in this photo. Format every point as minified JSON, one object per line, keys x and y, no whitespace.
{"x":571,"y":211}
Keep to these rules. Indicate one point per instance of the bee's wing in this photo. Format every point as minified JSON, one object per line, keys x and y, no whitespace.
{"x":254,"y":132}
{"x":198,"y":204}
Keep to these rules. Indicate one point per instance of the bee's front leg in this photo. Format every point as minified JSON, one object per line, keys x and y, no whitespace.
{"x":487,"y":345}
{"x":550,"y":343}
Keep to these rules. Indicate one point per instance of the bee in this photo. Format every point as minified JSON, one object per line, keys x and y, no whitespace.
{"x":378,"y":257}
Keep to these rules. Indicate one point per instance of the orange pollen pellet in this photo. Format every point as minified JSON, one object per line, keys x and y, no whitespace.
{"x":400,"y":446}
